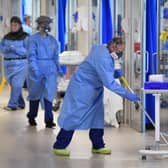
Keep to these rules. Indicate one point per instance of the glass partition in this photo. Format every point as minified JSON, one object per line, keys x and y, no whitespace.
{"x":79,"y":21}
{"x":163,"y":59}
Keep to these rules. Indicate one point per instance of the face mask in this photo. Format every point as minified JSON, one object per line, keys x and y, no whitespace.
{"x":119,"y":54}
{"x":45,"y":28}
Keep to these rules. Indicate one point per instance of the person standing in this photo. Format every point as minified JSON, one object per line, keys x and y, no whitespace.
{"x":27,"y":25}
{"x":43,"y":70}
{"x":13,"y":46}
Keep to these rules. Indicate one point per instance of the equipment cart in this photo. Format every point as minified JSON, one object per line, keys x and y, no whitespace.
{"x":155,"y":150}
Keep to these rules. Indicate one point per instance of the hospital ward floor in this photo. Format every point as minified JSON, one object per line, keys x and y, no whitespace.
{"x":22,"y":146}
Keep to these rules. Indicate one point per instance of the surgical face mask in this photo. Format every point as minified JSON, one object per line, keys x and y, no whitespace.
{"x":119,"y":54}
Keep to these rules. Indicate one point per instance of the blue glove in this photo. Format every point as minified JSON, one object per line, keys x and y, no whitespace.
{"x":12,"y":48}
{"x":118,"y":73}
{"x":60,"y":71}
{"x":132,"y":97}
{"x":5,"y":49}
{"x":61,"y":74}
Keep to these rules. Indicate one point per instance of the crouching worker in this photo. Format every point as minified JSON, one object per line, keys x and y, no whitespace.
{"x":43,"y":69}
{"x":82,"y":107}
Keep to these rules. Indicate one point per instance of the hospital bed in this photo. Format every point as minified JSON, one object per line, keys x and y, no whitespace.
{"x":71,"y":59}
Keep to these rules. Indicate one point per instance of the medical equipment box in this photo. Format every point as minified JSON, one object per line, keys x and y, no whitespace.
{"x":156,"y":85}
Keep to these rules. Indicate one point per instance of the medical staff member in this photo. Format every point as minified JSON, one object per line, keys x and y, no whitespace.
{"x":43,"y":70}
{"x":118,"y":47}
{"x":111,"y":106}
{"x":82,"y":107}
{"x":27,"y":25}
{"x":13,"y":47}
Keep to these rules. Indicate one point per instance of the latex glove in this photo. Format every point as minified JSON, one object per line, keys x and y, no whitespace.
{"x":60,"y":71}
{"x":61,"y":74}
{"x":118,"y":73}
{"x":132,"y":97}
{"x":12,"y":48}
{"x":124,"y":81}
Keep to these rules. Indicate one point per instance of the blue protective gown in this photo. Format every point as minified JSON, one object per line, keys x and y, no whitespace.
{"x":83,"y":102}
{"x":43,"y":67}
{"x":15,"y":70}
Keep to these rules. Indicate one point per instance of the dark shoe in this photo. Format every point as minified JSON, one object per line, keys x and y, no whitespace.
{"x":50,"y":125}
{"x":32,"y":122}
{"x":10,"y":108}
{"x":56,"y":106}
{"x":20,"y":108}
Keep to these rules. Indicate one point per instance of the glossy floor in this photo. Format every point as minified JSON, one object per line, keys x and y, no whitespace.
{"x":24,"y":147}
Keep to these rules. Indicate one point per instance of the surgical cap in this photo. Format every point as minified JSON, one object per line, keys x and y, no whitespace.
{"x":44,"y":19}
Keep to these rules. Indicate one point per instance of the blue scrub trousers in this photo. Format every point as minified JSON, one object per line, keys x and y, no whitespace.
{"x":33,"y":107}
{"x":64,"y":138}
{"x":34,"y":104}
{"x":16,"y":98}
{"x":15,"y":73}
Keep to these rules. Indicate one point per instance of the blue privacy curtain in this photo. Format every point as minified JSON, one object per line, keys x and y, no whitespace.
{"x":151,"y":47}
{"x":61,"y":23}
{"x":23,"y":10}
{"x":62,"y":26}
{"x":106,"y":21}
